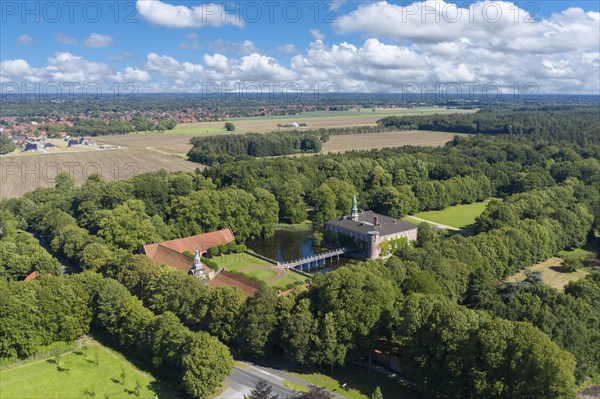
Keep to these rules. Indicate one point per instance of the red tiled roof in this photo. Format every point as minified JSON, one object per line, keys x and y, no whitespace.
{"x":225,"y":278}
{"x":31,"y":276}
{"x":167,"y":256}
{"x":200,"y":241}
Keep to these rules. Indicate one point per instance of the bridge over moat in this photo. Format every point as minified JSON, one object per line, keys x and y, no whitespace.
{"x":314,"y":261}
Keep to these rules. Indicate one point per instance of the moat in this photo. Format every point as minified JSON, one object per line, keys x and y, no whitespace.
{"x":288,"y":245}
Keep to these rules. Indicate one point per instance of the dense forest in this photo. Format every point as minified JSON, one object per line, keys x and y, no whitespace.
{"x":220,"y":149}
{"x":443,"y":302}
{"x":541,"y":123}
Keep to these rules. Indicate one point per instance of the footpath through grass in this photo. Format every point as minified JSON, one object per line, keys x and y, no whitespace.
{"x":257,"y":268}
{"x":93,"y":372}
{"x":459,"y":216}
{"x":360,"y":383}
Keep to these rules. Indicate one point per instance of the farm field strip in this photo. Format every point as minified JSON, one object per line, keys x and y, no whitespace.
{"x":22,"y":174}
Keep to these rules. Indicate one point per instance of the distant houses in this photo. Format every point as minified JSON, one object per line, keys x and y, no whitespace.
{"x":80,"y":141}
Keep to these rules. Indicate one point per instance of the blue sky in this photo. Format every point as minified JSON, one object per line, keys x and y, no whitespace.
{"x":172,"y":45}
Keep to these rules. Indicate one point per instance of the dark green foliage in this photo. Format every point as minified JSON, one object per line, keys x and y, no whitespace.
{"x":571,"y":322}
{"x":6,"y":145}
{"x":467,"y":354}
{"x":39,"y":313}
{"x":229,"y":126}
{"x":575,"y":124}
{"x":218,"y":149}
{"x":97,"y":127}
{"x":20,"y":253}
{"x":262,"y":390}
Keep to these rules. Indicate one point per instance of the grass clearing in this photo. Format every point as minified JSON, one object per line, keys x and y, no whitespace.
{"x":84,"y":378}
{"x":294,"y":386}
{"x":235,"y":262}
{"x":459,"y":216}
{"x":551,"y":274}
{"x":360,"y":383}
{"x":259,"y":268}
{"x":288,"y":278}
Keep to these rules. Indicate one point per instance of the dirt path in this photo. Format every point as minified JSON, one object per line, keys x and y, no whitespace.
{"x":280,"y":272}
{"x":439,"y":225}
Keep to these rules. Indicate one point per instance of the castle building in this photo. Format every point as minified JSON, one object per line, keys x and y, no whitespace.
{"x":371,"y":234}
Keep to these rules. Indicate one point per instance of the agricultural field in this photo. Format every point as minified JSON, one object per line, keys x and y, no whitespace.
{"x":258,"y":268}
{"x":552,"y":275}
{"x":368,"y":141}
{"x":21,"y":174}
{"x":179,"y":144}
{"x":458,"y":216}
{"x":314,"y":120}
{"x":93,"y":372}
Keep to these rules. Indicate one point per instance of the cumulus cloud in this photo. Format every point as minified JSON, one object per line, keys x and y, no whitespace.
{"x":65,"y":39}
{"x":65,"y":67}
{"x":171,"y":68}
{"x":170,"y":16}
{"x":25,"y":40}
{"x":559,"y":54}
{"x":316,"y":34}
{"x":96,"y":40}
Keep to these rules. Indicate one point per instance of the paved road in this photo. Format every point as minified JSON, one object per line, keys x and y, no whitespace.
{"x":243,"y":379}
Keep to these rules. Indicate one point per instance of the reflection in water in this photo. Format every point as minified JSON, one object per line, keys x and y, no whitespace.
{"x":288,"y":245}
{"x":285,"y":245}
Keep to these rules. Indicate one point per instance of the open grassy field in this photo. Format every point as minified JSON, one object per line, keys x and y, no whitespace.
{"x":458,"y":216}
{"x":179,"y":144}
{"x":551,"y":274}
{"x":360,"y":383}
{"x":97,"y":372}
{"x":258,"y":268}
{"x":314,"y":120}
{"x":20,"y":174}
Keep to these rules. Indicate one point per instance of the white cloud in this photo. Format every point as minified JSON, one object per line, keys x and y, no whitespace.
{"x":192,"y":43}
{"x":245,"y":47}
{"x":559,"y":54}
{"x":132,"y":75}
{"x":65,"y":39}
{"x":171,"y":68}
{"x":316,"y":34}
{"x":25,"y":40}
{"x":170,"y":16}
{"x":96,"y":40}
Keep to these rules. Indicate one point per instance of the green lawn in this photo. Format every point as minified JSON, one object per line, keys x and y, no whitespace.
{"x":289,"y":278}
{"x":235,"y":262}
{"x":360,"y":383}
{"x":459,"y":216}
{"x":84,"y":378}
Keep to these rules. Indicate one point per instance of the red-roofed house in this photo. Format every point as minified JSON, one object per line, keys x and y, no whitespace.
{"x":31,"y":276}
{"x":225,"y":278}
{"x":172,"y":252}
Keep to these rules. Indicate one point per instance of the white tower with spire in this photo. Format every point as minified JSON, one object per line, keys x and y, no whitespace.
{"x":198,"y":268}
{"x":354,"y":214}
